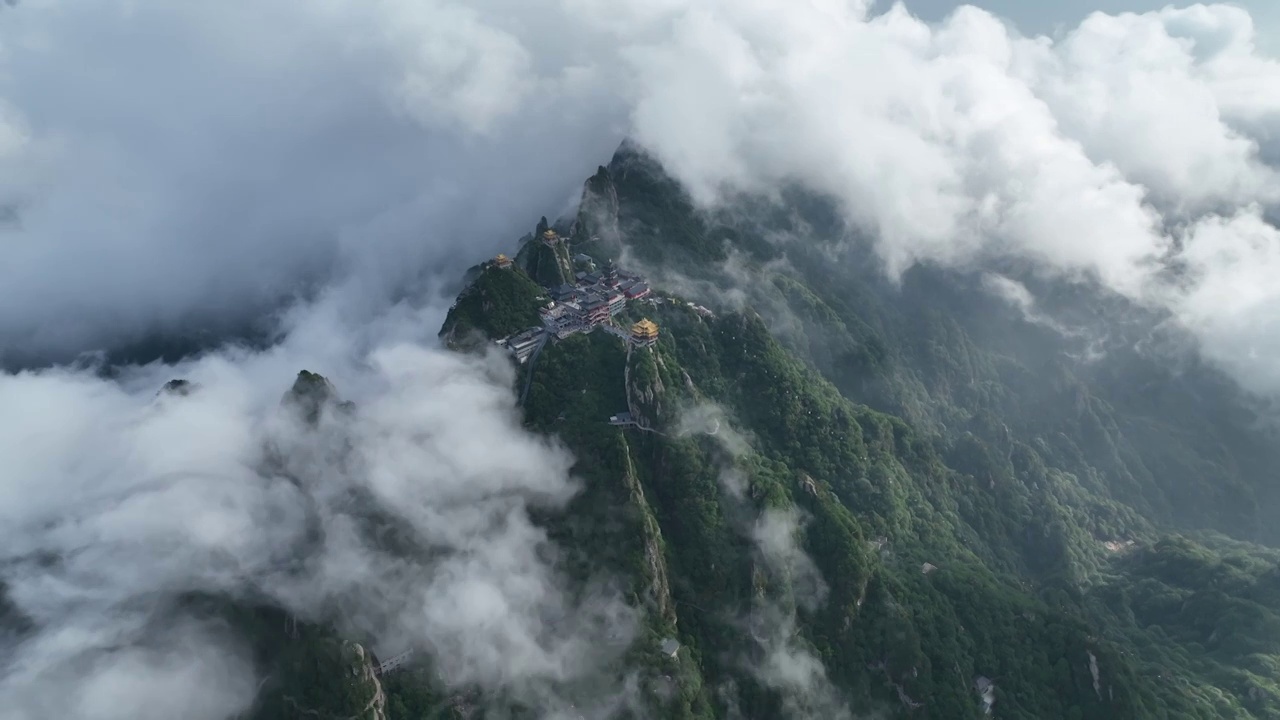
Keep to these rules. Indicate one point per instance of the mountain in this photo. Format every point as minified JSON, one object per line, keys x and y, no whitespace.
{"x":1066,"y":515}
{"x":825,"y":492}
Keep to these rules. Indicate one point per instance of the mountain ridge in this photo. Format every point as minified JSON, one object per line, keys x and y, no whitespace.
{"x":1104,"y":489}
{"x":822,"y":492}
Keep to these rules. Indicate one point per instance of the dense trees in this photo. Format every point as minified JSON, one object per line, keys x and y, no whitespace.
{"x":976,"y":497}
{"x":1015,"y":468}
{"x":500,"y":301}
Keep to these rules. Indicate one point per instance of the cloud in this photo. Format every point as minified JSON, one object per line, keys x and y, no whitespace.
{"x":787,"y":663}
{"x":1102,"y":156}
{"x":1230,"y":297}
{"x":1152,"y":94}
{"x":707,"y":418}
{"x":1017,"y":295}
{"x":774,"y":535}
{"x":924,"y":134}
{"x":189,"y":671}
{"x":116,"y":500}
{"x":392,"y":139}
{"x":783,"y":660}
{"x":790,"y":667}
{"x":199,"y":164}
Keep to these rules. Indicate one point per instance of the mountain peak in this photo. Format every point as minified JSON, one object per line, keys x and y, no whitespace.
{"x":959,"y":437}
{"x":178,"y":386}
{"x":311,"y":394}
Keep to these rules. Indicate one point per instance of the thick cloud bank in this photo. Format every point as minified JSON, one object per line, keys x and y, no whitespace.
{"x":117,"y":498}
{"x":201,"y":162}
{"x":171,"y":165}
{"x":1133,"y":146}
{"x":198,"y":163}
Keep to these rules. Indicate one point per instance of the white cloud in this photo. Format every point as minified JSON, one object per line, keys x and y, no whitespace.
{"x":963,"y":141}
{"x":198,"y":163}
{"x":455,"y":67}
{"x":1017,"y":295}
{"x":782,"y":661}
{"x":924,"y":135}
{"x":774,"y":535}
{"x":788,"y":664}
{"x":1231,"y":296}
{"x":377,"y":139}
{"x":1151,"y":94}
{"x":116,"y":499}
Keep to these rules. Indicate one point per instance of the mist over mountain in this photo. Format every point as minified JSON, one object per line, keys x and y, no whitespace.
{"x":385,"y":148}
{"x":976,"y":401}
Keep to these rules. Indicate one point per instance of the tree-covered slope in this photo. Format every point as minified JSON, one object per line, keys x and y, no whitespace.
{"x":499,"y":302}
{"x":880,"y":503}
{"x":981,"y":498}
{"x":1082,"y":374}
{"x":547,"y":264}
{"x":848,"y":497}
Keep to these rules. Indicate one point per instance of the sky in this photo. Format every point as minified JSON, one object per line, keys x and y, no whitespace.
{"x":179,"y":165}
{"x":1048,"y":18}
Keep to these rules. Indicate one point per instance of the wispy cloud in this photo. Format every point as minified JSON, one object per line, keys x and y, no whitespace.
{"x":1135,"y":141}
{"x":116,"y":500}
{"x":782,"y":660}
{"x":378,"y":139}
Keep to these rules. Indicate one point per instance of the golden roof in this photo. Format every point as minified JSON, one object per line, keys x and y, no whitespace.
{"x":549,"y":233}
{"x":645,"y":328}
{"x":500,"y":257}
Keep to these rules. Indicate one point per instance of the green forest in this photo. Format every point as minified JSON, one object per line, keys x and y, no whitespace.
{"x":979,"y":504}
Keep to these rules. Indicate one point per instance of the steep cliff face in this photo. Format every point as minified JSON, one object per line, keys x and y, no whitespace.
{"x":655,"y":562}
{"x":308,"y":671}
{"x":645,"y":389}
{"x":548,"y":265}
{"x":375,"y":709}
{"x":596,"y":223}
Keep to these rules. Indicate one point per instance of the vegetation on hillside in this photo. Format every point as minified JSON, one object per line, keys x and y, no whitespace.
{"x":500,"y":301}
{"x":913,"y":484}
{"x":1025,"y":476}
